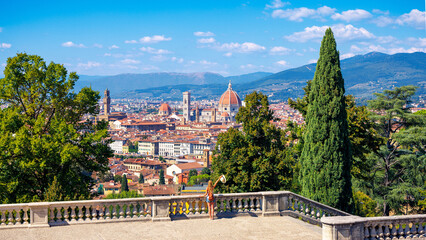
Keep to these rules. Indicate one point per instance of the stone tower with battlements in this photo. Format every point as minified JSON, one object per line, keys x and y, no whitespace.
{"x":107,"y":103}
{"x":187,"y":106}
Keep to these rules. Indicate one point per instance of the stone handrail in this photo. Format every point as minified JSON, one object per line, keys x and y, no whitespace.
{"x":359,"y":228}
{"x":166,"y":208}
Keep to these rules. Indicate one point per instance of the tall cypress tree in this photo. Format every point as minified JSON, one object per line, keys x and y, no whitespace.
{"x":326,"y":155}
{"x":124,"y":186}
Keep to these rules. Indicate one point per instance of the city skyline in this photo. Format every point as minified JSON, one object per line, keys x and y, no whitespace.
{"x":225,"y":37}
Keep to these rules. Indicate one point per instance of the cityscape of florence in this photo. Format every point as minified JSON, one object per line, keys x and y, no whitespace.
{"x":213,"y":120}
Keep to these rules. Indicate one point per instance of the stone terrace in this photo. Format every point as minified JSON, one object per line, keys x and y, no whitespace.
{"x":224,"y":228}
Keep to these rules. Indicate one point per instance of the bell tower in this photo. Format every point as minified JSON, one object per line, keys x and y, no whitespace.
{"x":107,"y":103}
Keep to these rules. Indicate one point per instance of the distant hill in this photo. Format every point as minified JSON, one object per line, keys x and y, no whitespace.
{"x":363,"y":74}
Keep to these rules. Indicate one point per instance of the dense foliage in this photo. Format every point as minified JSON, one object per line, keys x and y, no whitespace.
{"x":45,"y":141}
{"x":326,"y":156}
{"x":256,"y":158}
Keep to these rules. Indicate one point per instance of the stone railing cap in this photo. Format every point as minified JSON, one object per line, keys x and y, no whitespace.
{"x":342,"y":220}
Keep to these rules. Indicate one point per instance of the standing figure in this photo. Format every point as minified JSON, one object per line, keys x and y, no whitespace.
{"x":210,"y":197}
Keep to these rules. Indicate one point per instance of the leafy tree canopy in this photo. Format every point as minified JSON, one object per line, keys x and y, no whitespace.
{"x":257,"y":157}
{"x":44,"y":133}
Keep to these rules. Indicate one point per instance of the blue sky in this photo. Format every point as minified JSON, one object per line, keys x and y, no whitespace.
{"x":229,"y":37}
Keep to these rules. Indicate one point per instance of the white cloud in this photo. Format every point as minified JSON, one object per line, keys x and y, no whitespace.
{"x":404,"y":50}
{"x":113,"y":47}
{"x":387,"y":39}
{"x":282,"y":63}
{"x":415,"y":19}
{"x":418,"y":41}
{"x":107,"y":54}
{"x":280,"y":50}
{"x":71,"y":44}
{"x":5,"y":45}
{"x":297,"y":14}
{"x":154,"y":51}
{"x":203,"y":34}
{"x":352,"y":15}
{"x":228,"y":54}
{"x":246,"y":47}
{"x":248,"y":66}
{"x":150,"y":39}
{"x":312,"y":61}
{"x":178,"y":60}
{"x":89,"y":65}
{"x":345,"y":32}
{"x":347,"y":55}
{"x":130,"y":61}
{"x":383,"y":21}
{"x":159,"y":58}
{"x":378,"y":11}
{"x":97,"y":45}
{"x":130,"y":41}
{"x":205,"y":62}
{"x":276,"y":4}
{"x":206,"y":40}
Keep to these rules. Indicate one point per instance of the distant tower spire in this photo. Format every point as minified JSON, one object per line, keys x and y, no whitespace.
{"x":107,"y":103}
{"x":229,"y":85}
{"x":186,"y":106}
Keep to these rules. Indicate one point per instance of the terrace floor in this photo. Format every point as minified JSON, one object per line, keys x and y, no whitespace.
{"x":283,"y":227}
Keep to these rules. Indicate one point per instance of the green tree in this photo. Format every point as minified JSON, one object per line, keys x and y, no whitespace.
{"x":161,"y":159}
{"x":198,"y":179}
{"x":206,"y":171}
{"x":101,"y":189}
{"x":256,"y":158}
{"x":399,"y":170}
{"x":192,"y":173}
{"x":53,"y":192}
{"x":141,"y":179}
{"x":162,"y":180}
{"x":44,"y":132}
{"x":326,"y":156}
{"x":117,"y":178}
{"x":106,"y":177}
{"x":124,"y":185}
{"x":364,"y":205}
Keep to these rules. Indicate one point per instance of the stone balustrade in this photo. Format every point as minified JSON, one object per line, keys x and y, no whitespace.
{"x":359,"y":228}
{"x":163,"y":209}
{"x":336,"y":224}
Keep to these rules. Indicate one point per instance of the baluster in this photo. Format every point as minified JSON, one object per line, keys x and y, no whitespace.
{"x":400,"y":231}
{"x":95,"y":213}
{"x":246,"y":204}
{"x":221,"y":205}
{"x":318,"y":214}
{"x":413,"y":229}
{"x":10,"y":217}
{"x":240,"y":204}
{"x":73,"y":216}
{"x":407,"y":230}
{"x":114,"y":211}
{"x":422,"y":229}
{"x":88,"y":213}
{"x":204,"y":207}
{"x":128,"y":213}
{"x":295,"y":206}
{"x":108,"y":212}
{"x":366,"y":233}
{"x":251,"y":204}
{"x":380,"y":232}
{"x":66,"y":214}
{"x":25,"y":216}
{"x":386,"y":233}
{"x":258,"y":206}
{"x":102,"y":211}
{"x":80,"y":213}
{"x":393,"y":232}
{"x":234,"y":205}
{"x":51,"y":214}
{"x":149,"y":209}
{"x":184,"y":208}
{"x":121,"y":211}
{"x":373,"y":232}
{"x":18,"y":217}
{"x":142,"y":209}
{"x":197,"y":207}
{"x":135,"y":210}
{"x":307,"y":209}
